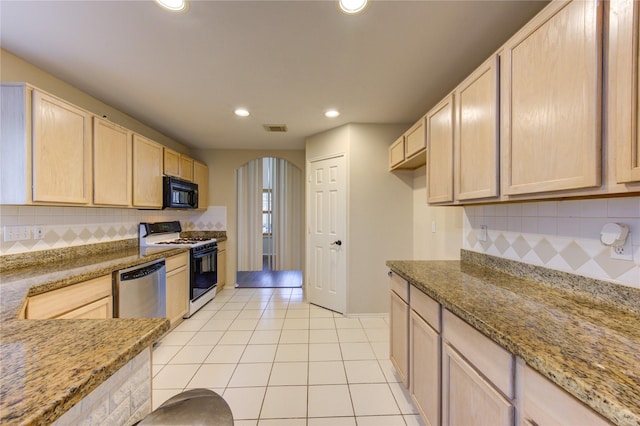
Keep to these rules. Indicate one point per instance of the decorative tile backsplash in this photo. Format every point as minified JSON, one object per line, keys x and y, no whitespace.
{"x":561,"y":235}
{"x":73,"y":226}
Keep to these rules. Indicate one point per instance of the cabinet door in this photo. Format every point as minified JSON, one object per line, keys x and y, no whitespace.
{"x":396,"y":153}
{"x":177,"y":294}
{"x":147,"y":173}
{"x":111,"y":164}
{"x":100,"y":309}
{"x":551,"y":101}
{"x":476,"y":139}
{"x":467,"y":398}
{"x":61,"y":151}
{"x":440,"y":152}
{"x":424,"y":367}
{"x":171,"y":162}
{"x":222,"y":268}
{"x":414,"y":142}
{"x":623,"y":88}
{"x":201,"y":177}
{"x":186,"y":168}
{"x":399,"y":340}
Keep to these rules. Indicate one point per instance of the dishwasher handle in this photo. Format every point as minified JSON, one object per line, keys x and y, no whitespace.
{"x":141,"y":272}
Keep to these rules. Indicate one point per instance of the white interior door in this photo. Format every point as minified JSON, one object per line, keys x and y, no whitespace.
{"x":326,"y":228}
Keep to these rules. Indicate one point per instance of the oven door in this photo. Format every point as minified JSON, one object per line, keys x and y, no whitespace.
{"x":204,"y":272}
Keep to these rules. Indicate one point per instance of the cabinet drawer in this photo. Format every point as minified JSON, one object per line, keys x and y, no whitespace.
{"x":175,"y":262}
{"x":426,"y":307}
{"x":545,"y":403}
{"x":496,"y":363}
{"x":57,"y":302}
{"x":400,"y":286}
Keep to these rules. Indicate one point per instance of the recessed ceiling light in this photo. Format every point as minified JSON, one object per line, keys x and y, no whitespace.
{"x":241,"y":112}
{"x":351,"y":7}
{"x":332,"y":113}
{"x":174,"y":5}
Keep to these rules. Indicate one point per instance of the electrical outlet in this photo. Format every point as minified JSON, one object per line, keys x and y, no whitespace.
{"x":38,"y":232}
{"x":482,"y":234}
{"x":623,"y":253}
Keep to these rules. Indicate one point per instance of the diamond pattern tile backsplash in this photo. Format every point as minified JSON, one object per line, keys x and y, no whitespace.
{"x":73,"y":226}
{"x":561,"y":235}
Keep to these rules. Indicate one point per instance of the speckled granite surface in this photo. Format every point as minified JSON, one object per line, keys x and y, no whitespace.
{"x":47,"y":366}
{"x":218,"y":235}
{"x":589,"y":348}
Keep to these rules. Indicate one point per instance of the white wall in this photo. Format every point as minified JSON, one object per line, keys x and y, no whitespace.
{"x":446,"y":241}
{"x":378,"y":209}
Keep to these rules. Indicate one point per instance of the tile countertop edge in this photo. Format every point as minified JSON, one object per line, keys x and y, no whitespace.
{"x":539,"y":359}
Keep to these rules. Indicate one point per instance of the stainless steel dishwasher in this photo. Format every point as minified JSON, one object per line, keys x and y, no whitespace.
{"x":141,"y":291}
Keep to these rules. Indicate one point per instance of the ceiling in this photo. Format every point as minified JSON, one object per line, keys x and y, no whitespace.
{"x":286,"y":61}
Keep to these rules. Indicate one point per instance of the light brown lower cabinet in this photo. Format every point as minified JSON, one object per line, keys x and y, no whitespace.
{"x":458,"y":376}
{"x":177,"y":287}
{"x":86,"y":300}
{"x":424,"y":365}
{"x":222,"y":265}
{"x":468,"y":398}
{"x":399,"y":327}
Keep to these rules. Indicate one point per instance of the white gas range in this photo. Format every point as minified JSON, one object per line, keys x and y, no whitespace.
{"x":203,"y":259}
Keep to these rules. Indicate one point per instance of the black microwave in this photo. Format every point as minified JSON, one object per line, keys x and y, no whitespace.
{"x":179,"y":194}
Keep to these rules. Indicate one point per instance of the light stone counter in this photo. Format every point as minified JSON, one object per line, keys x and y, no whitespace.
{"x":47,"y":366}
{"x":581,"y":334}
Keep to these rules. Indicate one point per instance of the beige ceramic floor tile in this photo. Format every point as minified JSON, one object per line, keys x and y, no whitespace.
{"x":175,"y":376}
{"x":289,"y":374}
{"x":284,"y":402}
{"x":329,"y":401}
{"x":373,"y":399}
{"x":247,"y":375}
{"x":245,"y":403}
{"x":327,"y":373}
{"x":212,"y":376}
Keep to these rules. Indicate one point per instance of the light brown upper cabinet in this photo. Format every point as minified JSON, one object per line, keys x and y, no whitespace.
{"x":477,"y":135}
{"x":396,"y":153}
{"x":201,"y":177}
{"x":551,"y":101}
{"x":624,"y":88}
{"x":171,"y":162}
{"x":440,"y":152}
{"x":111,"y":164}
{"x":408,"y":151}
{"x":45,"y":149}
{"x":147,"y":172}
{"x":186,"y":168}
{"x":177,"y":165}
{"x":61,"y":151}
{"x":414,"y":141}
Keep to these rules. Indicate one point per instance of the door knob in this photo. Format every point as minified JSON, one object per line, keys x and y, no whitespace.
{"x":336,"y":243}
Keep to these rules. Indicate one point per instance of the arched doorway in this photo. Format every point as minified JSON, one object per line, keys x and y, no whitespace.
{"x":270,"y":204}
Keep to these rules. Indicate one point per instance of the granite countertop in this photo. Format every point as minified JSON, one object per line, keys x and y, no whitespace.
{"x":589,"y":347}
{"x":47,"y":366}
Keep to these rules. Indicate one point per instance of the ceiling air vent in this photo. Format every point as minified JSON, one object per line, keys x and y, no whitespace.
{"x":275,"y":127}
